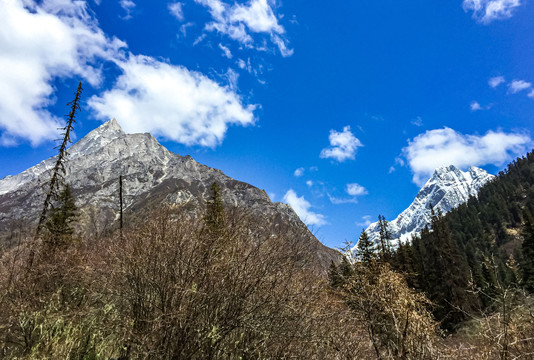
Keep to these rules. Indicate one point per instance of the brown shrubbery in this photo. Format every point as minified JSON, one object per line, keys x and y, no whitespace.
{"x":173,"y":288}
{"x":178,"y":288}
{"x":397,"y":318}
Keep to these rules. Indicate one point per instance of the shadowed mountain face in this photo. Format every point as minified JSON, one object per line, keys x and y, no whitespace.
{"x":446,"y":189}
{"x":152,"y":176}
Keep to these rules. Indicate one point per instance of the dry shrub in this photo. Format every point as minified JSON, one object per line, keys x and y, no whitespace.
{"x":174,"y":288}
{"x":506,"y":334}
{"x":52,"y":310}
{"x":397,"y":318}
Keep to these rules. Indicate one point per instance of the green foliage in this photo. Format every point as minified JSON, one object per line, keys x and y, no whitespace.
{"x":527,"y":265}
{"x":215,"y":217}
{"x":476,"y":245}
{"x":59,"y":224}
{"x":56,"y":180}
{"x":385,"y":239}
{"x":366,"y":250}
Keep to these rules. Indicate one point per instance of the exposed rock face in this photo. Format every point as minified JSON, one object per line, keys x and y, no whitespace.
{"x":152,"y":175}
{"x":447,"y":188}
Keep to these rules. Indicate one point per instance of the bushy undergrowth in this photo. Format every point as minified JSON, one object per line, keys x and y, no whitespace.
{"x":173,"y":288}
{"x":178,"y":288}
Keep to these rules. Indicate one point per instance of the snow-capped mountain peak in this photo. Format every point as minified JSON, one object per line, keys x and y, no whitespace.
{"x":446,"y":189}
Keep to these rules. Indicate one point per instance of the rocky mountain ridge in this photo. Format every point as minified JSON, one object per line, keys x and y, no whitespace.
{"x":446,"y":189}
{"x":151,"y":174}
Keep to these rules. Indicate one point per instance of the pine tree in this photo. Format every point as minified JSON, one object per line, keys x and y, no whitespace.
{"x":60,"y":219}
{"x":366,"y":251}
{"x":345,"y":268}
{"x":385,"y":239}
{"x":215,"y":217}
{"x":59,"y":169}
{"x":334,"y":277}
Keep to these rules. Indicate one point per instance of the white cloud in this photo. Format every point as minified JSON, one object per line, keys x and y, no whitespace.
{"x":183,"y":28}
{"x":486,"y":11}
{"x":443,"y":147}
{"x":240,"y":22}
{"x":299,"y":172}
{"x":227,"y":53}
{"x":496,"y":81}
{"x":343,"y":145}
{"x":337,"y":201}
{"x":172,"y":102}
{"x":302,"y":208}
{"x":418,"y":121}
{"x":366,"y":221}
{"x":128,"y":6}
{"x":531,"y":94}
{"x":399,"y":162}
{"x":40,"y":42}
{"x":355,"y":190}
{"x":176,"y":10}
{"x":475,"y":106}
{"x":518,"y":85}
{"x":309,"y":183}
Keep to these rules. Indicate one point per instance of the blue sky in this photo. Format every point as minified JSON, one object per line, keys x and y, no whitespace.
{"x":341,"y":108}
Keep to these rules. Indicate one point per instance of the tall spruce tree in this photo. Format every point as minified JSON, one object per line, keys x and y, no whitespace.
{"x":334,"y":277}
{"x":58,"y":171}
{"x":385,"y":239}
{"x":366,"y":250}
{"x":215,"y":217}
{"x":61,"y":216}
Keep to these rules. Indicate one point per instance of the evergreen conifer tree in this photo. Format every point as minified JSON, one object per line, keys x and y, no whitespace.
{"x":59,"y":169}
{"x":366,"y":251}
{"x":527,"y":249}
{"x":60,"y":219}
{"x":215,"y":217}
{"x":385,"y":239}
{"x":334,"y":277}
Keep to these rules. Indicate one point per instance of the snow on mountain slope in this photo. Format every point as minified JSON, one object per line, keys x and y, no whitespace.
{"x":446,"y":189}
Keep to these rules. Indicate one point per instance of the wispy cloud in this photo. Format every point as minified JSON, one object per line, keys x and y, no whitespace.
{"x":475,"y":106}
{"x":343,"y":145}
{"x":443,"y":147}
{"x":128,"y":6}
{"x":531,"y":94}
{"x":496,"y":81}
{"x":487,"y":11}
{"x":518,"y":85}
{"x":302,"y":208}
{"x":241,"y":22}
{"x":299,"y":172}
{"x":176,"y":10}
{"x":226,"y":52}
{"x":366,"y":221}
{"x":418,"y":121}
{"x":183,"y":28}
{"x":354,"y":190}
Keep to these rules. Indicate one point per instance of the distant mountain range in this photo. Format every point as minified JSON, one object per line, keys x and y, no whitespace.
{"x":152,"y":175}
{"x":446,"y":189}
